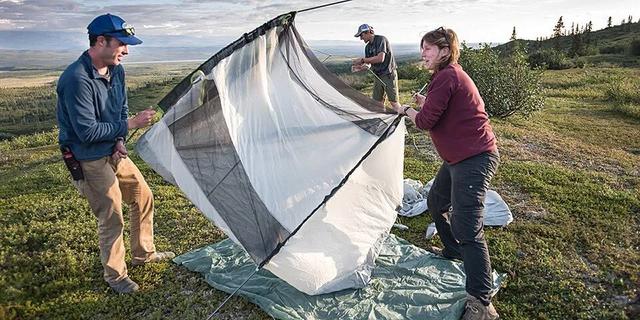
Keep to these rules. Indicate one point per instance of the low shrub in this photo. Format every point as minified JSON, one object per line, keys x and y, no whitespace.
{"x":634,"y":47}
{"x":549,"y":59}
{"x":613,"y":49}
{"x":507,"y":86}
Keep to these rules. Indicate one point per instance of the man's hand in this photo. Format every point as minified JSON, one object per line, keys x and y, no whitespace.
{"x":119,"y":151}
{"x":357,"y":61}
{"x":142,"y":119}
{"x":419,"y":99}
{"x":361,"y":67}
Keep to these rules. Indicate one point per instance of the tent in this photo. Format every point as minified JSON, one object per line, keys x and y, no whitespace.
{"x":297,"y":168}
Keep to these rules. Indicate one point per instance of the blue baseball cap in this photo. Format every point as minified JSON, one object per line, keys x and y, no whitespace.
{"x":114,"y":26}
{"x":363,"y":28}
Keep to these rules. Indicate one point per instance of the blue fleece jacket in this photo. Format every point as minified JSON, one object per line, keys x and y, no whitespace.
{"x":92,"y":110}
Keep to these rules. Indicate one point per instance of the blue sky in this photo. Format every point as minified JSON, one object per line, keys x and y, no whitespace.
{"x":402,"y":21}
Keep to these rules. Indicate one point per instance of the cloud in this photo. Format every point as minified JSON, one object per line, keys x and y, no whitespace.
{"x":400,"y":20}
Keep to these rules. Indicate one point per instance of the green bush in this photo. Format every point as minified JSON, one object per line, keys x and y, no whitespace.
{"x":623,"y":91}
{"x":634,"y":47}
{"x":413,"y":71}
{"x":507,"y":86}
{"x":581,"y":62}
{"x":625,"y":95}
{"x":590,"y":51}
{"x":613,"y":49}
{"x":549,"y":59}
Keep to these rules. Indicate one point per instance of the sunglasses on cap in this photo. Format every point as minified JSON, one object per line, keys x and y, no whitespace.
{"x":129,"y":31}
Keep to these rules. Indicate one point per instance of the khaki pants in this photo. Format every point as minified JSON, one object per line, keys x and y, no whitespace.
{"x":105,"y":185}
{"x":390,"y":87}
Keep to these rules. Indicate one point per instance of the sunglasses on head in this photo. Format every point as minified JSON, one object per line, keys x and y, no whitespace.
{"x":444,"y":33}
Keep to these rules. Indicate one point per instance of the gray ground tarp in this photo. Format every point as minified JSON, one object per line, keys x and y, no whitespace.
{"x":408,"y":283}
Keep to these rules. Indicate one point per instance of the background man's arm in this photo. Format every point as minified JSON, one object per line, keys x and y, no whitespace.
{"x":375,"y":59}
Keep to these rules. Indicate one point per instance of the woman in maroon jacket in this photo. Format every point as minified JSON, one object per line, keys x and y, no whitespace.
{"x":453,"y":113}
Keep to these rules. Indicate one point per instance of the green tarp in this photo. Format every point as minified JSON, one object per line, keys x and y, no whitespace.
{"x":408,"y":283}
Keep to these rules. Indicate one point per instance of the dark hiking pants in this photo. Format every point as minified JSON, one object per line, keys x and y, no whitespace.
{"x":456,"y":203}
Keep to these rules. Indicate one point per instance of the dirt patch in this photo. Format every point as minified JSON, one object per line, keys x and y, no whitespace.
{"x":519,"y":202}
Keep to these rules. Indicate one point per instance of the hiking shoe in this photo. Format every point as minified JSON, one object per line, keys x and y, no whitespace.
{"x":475,"y":310}
{"x":155,"y":257}
{"x":440,"y":252}
{"x":125,"y":286}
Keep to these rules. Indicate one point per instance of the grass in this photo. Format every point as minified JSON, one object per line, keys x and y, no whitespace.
{"x":28,"y":99}
{"x":569,"y":173}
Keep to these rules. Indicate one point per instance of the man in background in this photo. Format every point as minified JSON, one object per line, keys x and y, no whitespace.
{"x":379,"y":55}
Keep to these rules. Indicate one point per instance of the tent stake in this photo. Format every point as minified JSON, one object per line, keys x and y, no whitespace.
{"x":233,"y":294}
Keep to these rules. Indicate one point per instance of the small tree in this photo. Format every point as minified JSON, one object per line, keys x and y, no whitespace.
{"x":577,"y":46}
{"x":587,"y":34}
{"x":507,"y":86}
{"x":557,"y":30}
{"x":609,"y":23}
{"x":557,"y":33}
{"x":513,"y":34}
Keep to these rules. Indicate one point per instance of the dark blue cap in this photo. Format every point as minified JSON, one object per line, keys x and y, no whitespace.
{"x":111,"y":25}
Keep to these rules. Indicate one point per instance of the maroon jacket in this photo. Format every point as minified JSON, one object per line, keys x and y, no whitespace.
{"x":454,"y":114}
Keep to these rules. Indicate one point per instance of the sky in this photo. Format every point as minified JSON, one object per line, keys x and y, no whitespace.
{"x":401,"y":21}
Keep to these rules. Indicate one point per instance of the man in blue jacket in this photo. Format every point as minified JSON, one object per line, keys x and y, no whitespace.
{"x":92,"y":115}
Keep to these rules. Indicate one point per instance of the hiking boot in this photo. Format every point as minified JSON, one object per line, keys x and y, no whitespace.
{"x":155,"y":257}
{"x":125,"y":286}
{"x":475,"y":310}
{"x":440,"y":252}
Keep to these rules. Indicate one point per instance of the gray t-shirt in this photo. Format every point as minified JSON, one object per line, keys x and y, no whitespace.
{"x":373,"y":48}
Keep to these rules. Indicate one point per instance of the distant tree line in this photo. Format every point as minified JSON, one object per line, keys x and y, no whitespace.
{"x":567,"y":45}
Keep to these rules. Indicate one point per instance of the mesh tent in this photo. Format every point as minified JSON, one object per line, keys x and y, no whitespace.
{"x":300,"y":170}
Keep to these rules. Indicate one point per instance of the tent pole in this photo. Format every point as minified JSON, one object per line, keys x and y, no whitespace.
{"x":322,"y":6}
{"x":233,"y":294}
{"x":375,"y":75}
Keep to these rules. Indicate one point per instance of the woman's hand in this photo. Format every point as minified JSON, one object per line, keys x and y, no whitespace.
{"x":419,"y":99}
{"x":397,"y":107}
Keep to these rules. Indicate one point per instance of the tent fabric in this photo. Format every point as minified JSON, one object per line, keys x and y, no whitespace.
{"x":413,"y":202}
{"x":408,"y":283}
{"x":496,"y":211}
{"x":301,"y":171}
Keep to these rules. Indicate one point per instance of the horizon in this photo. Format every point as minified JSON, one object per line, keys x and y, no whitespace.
{"x":188,"y":23}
